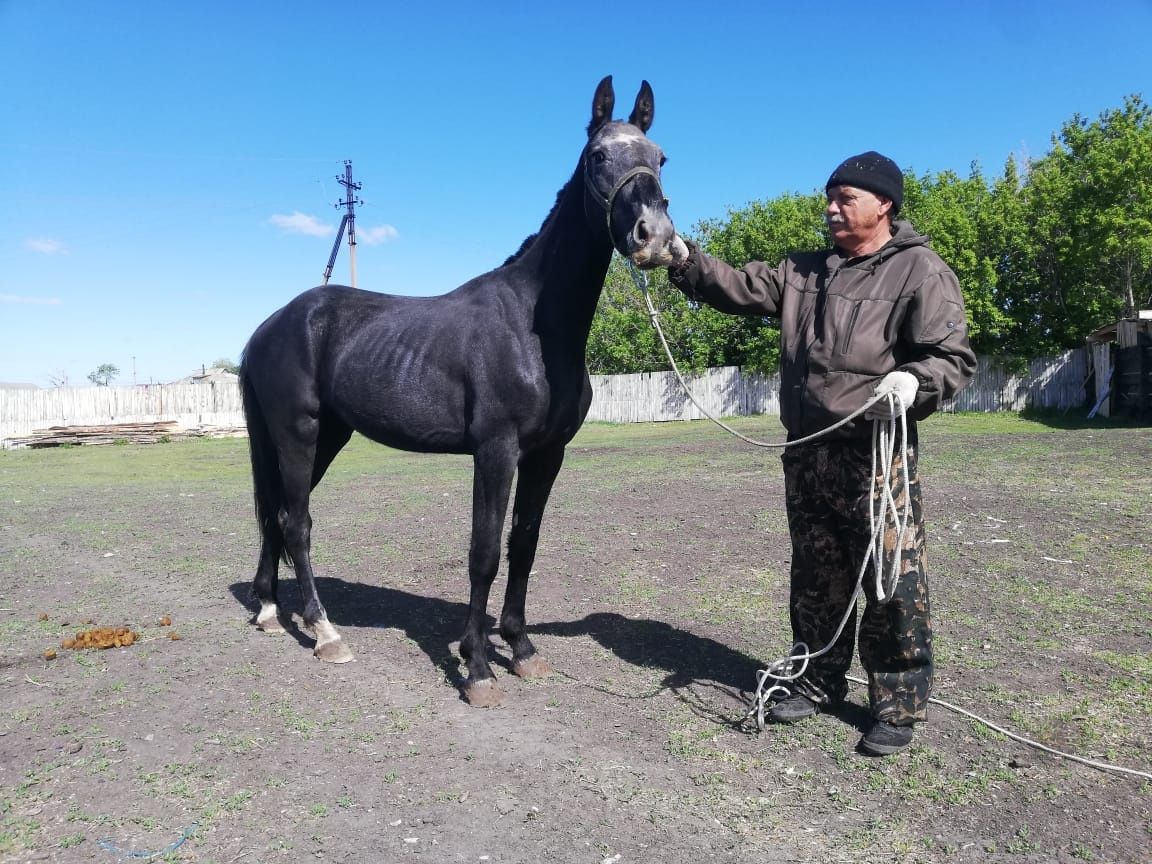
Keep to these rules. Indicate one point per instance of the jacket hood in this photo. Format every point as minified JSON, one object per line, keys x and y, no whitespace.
{"x":904,"y":236}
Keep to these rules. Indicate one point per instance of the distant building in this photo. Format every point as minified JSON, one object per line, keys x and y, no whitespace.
{"x":1122,"y":363}
{"x":209,"y":375}
{"x":17,"y":385}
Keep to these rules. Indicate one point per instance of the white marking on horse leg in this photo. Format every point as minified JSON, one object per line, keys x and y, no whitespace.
{"x":329,"y":646}
{"x":325,"y":632}
{"x":268,"y":619}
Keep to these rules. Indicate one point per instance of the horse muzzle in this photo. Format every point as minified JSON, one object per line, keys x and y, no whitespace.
{"x":653,"y":241}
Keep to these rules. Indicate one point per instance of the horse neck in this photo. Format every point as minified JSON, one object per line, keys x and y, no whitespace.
{"x":566,"y":266}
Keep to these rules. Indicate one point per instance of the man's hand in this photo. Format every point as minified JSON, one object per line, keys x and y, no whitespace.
{"x":903,"y":385}
{"x":681,"y":255}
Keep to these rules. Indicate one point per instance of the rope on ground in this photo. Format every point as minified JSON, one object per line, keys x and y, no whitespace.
{"x":1103,"y":766}
{"x":122,"y":854}
{"x":883,"y":450}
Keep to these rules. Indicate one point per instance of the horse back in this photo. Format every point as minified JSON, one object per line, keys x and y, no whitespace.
{"x":431,"y":374}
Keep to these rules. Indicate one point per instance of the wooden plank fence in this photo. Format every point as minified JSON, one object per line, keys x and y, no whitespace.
{"x":190,"y":405}
{"x":1056,"y":383}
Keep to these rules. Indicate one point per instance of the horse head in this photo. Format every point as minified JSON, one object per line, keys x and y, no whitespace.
{"x":621,"y":168}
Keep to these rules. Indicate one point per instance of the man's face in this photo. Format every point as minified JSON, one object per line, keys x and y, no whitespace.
{"x":855,"y":216}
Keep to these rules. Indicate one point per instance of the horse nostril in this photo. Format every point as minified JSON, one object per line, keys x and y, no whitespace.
{"x":640,"y":232}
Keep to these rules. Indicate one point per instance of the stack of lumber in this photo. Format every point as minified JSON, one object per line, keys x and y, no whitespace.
{"x":110,"y":433}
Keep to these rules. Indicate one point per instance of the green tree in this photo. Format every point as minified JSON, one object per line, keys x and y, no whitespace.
{"x":103,"y":374}
{"x":950,"y":210}
{"x":767,"y":230}
{"x":1087,"y":244}
{"x":227,"y":365}
{"x":623,"y":340}
{"x":1004,"y":236}
{"x":1111,"y":200}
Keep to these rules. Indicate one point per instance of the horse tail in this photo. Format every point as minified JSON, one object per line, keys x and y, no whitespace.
{"x":266,"y":485}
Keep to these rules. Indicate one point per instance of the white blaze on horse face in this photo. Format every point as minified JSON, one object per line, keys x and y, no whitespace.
{"x":621,"y":135}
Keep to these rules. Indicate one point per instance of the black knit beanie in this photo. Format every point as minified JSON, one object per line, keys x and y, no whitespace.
{"x":871,"y":171}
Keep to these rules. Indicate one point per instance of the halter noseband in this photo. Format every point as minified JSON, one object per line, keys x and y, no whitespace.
{"x":607,"y":202}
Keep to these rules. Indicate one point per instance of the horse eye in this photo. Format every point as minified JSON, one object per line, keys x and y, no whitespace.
{"x":663,"y":161}
{"x":599,"y":157}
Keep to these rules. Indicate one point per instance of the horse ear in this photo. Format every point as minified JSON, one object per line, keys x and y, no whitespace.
{"x":645,"y":108}
{"x":602,"y":104}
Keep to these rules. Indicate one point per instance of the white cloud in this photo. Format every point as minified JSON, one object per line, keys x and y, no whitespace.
{"x":45,"y":246}
{"x":30,"y":301}
{"x":301,"y":223}
{"x":377,"y":234}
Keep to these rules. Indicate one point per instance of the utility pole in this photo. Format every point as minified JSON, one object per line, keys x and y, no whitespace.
{"x":347,"y":222}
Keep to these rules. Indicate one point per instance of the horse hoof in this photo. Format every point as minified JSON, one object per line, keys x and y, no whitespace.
{"x":333,"y":652}
{"x":532,"y":667}
{"x":483,"y":694}
{"x":268,"y":619}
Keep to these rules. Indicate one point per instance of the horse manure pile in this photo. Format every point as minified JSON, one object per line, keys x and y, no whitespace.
{"x":102,"y":637}
{"x":105,"y":637}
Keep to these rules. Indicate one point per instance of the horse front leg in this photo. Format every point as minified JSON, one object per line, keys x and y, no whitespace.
{"x":537,"y":473}
{"x":495,"y":463}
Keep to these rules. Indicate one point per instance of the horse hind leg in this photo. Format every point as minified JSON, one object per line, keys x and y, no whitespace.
{"x":265,"y":587}
{"x":267,"y":494}
{"x":537,"y":473}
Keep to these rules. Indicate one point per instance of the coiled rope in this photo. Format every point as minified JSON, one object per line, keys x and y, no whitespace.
{"x":883,"y":509}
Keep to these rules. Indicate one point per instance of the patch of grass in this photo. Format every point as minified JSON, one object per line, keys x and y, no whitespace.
{"x":17,"y":833}
{"x":1137,"y":665}
{"x":70,"y":840}
{"x":928,"y":778}
{"x":753,"y":603}
{"x":876,"y":833}
{"x":296,"y":722}
{"x":1022,"y":843}
{"x":1081,"y":852}
{"x":235,"y":802}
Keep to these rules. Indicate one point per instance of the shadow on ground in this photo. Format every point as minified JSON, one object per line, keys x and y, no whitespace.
{"x":434,"y":625}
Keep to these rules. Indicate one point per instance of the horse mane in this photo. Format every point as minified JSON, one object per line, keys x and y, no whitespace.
{"x":531,"y":238}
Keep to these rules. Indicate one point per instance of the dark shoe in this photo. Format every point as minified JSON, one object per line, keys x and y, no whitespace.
{"x":793,"y":709}
{"x":884,"y":739}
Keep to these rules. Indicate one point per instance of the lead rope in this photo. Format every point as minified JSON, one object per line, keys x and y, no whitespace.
{"x":883,"y":508}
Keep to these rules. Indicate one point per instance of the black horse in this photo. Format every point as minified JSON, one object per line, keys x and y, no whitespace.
{"x":495,"y":369}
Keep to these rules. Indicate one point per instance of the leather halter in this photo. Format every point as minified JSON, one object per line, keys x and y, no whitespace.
{"x":607,"y":201}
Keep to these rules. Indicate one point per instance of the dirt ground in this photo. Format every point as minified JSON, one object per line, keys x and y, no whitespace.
{"x":660,"y":590}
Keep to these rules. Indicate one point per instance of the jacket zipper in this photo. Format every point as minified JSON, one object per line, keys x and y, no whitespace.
{"x":802,"y":385}
{"x":851,"y":328}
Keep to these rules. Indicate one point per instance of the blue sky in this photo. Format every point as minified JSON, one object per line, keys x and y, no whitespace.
{"x":167,"y":170}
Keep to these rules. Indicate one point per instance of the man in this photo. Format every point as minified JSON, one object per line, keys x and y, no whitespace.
{"x":879,"y":313}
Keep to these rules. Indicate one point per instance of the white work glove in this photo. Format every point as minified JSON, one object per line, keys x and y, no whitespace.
{"x":903,"y":385}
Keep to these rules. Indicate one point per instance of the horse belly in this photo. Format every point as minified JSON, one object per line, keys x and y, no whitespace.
{"x":407,"y":415}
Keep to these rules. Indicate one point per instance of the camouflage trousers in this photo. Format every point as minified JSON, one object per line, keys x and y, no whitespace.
{"x":827,"y":493}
